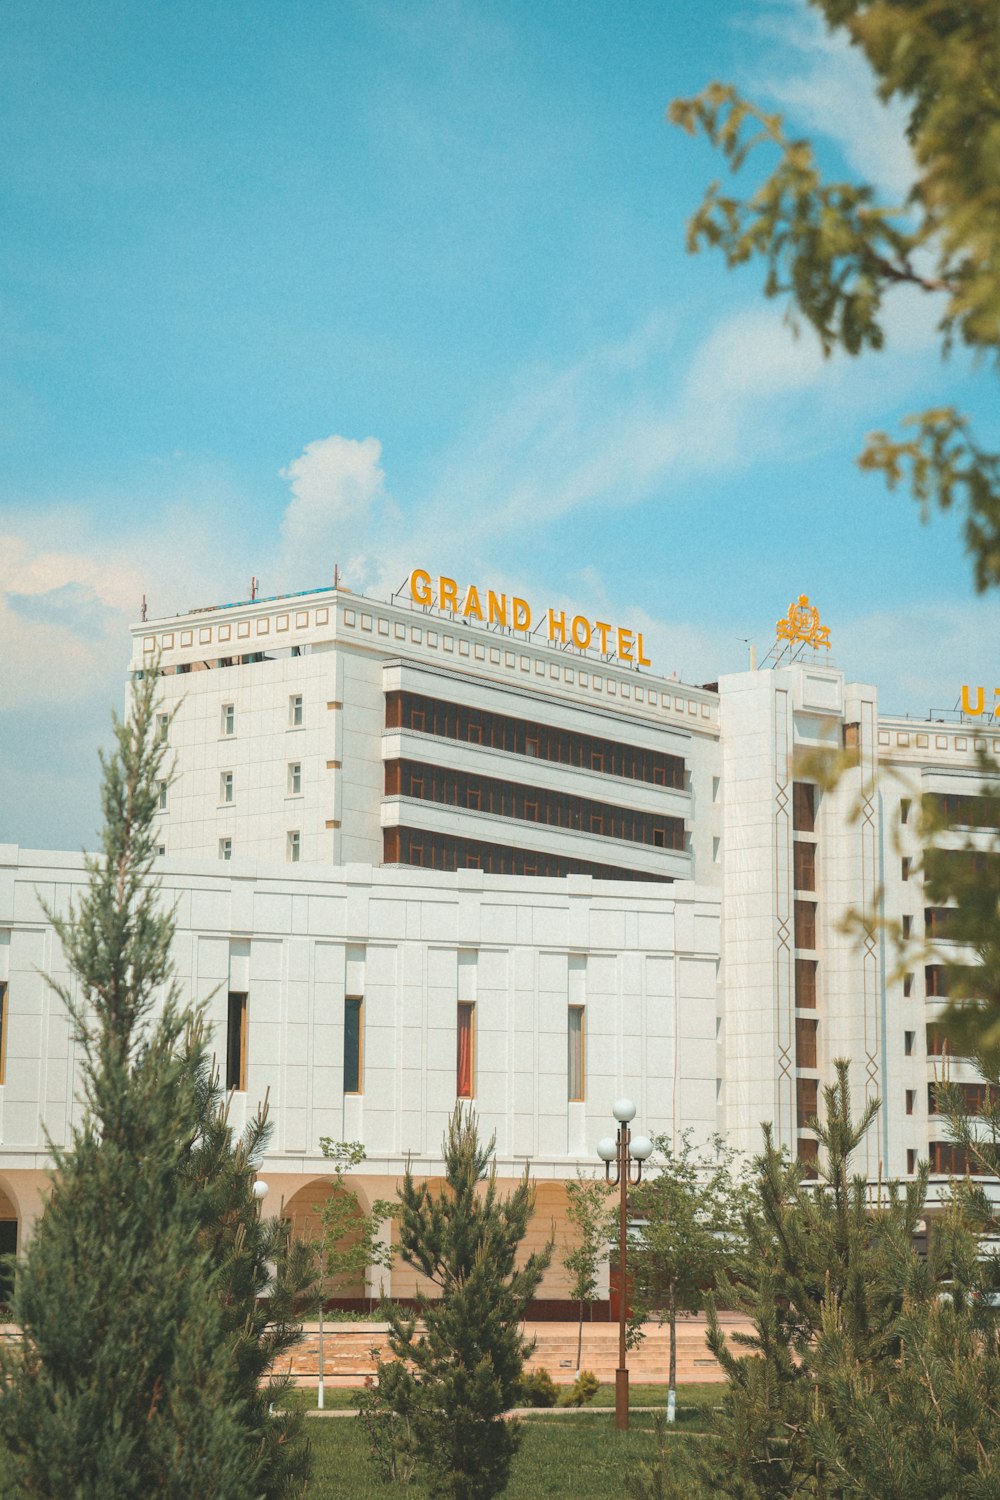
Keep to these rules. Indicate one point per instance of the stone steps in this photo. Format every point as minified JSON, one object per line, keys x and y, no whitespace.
{"x":348,"y":1360}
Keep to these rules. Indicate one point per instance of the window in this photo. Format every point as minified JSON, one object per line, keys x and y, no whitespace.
{"x":803,"y":807}
{"x":353,"y":1032}
{"x":3,"y":1033}
{"x":574,"y":1066}
{"x":465,"y":1073}
{"x":163,"y":727}
{"x":907,"y":926}
{"x":804,"y":864}
{"x":507,"y":799}
{"x":805,"y":924}
{"x":294,"y":846}
{"x":911,"y":1162}
{"x":225,"y":848}
{"x":908,"y":1039}
{"x":229,"y":718}
{"x":295,"y":711}
{"x":295,"y":778}
{"x":226,"y":787}
{"x":806,"y":1101}
{"x":805,"y":1042}
{"x":852,"y":736}
{"x":904,"y":866}
{"x":904,"y":809}
{"x":161,"y":849}
{"x":161,"y":800}
{"x":907,"y":986}
{"x":805,"y":983}
{"x":937,"y":1043}
{"x":236,"y":1043}
{"x":972,"y":1098}
{"x":911,"y":1099}
{"x":807,"y":1154}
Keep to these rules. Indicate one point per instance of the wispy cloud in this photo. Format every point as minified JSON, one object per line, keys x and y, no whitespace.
{"x":826,"y":87}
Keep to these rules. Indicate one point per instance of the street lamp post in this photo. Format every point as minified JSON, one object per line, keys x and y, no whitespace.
{"x":626,"y":1152}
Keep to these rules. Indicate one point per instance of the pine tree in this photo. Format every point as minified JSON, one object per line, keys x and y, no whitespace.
{"x":458,"y":1362}
{"x":870,"y":1371}
{"x":143,"y":1338}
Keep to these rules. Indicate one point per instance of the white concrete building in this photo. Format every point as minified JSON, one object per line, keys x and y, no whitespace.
{"x":418,"y":859}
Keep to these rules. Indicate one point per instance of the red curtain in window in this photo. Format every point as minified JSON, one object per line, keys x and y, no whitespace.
{"x":464,"y":1071}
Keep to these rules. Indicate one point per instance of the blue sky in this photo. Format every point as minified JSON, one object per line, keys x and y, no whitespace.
{"x":405,"y":284}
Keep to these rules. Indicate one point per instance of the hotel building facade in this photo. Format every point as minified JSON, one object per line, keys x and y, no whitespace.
{"x":419,"y":855}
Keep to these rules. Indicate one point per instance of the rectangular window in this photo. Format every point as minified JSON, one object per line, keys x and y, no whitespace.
{"x":807,"y":1154}
{"x":806,"y":1101}
{"x":226,"y":787}
{"x":353,"y":1033}
{"x":904,"y":809}
{"x":904,"y":867}
{"x":225,"y":848}
{"x":911,"y":1162}
{"x":805,"y":983}
{"x":236,"y":1044}
{"x":804,"y":863}
{"x":907,"y":986}
{"x":805,"y":1042}
{"x":229,"y":718}
{"x":3,"y":1033}
{"x":907,"y":926}
{"x":805,"y":924}
{"x":161,"y":849}
{"x":161,"y":800}
{"x":294,"y":846}
{"x":908,"y":1040}
{"x":294,"y":778}
{"x":163,"y":726}
{"x":803,"y":807}
{"x":295,"y":710}
{"x":575,"y":1078}
{"x":911,"y":1099}
{"x":466,"y":1062}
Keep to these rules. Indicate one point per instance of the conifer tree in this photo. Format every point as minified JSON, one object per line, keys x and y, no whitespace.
{"x":458,"y":1361}
{"x":869,"y":1371}
{"x":143,"y":1336}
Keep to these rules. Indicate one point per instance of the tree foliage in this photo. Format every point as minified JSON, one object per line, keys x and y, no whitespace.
{"x":691,"y":1204}
{"x":457,"y":1362}
{"x":350,"y":1243}
{"x":591,"y":1212}
{"x":835,"y":252}
{"x":144,"y":1339}
{"x":869,"y":1371}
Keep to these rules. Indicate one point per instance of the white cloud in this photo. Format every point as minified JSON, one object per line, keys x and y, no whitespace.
{"x":337,"y":488}
{"x":825,"y":86}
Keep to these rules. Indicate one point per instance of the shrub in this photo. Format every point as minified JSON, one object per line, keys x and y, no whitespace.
{"x":582,"y":1391}
{"x":536,"y":1389}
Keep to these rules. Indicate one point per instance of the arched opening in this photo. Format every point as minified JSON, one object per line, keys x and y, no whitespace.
{"x":304,"y":1212}
{"x":8,"y":1244}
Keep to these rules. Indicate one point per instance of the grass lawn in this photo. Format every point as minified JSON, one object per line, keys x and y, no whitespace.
{"x":693,"y":1401}
{"x":577,"y":1457}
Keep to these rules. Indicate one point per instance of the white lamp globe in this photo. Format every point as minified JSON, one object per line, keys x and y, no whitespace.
{"x":607,"y":1148}
{"x":260,"y":1190}
{"x":641,"y":1147}
{"x":623,"y":1111}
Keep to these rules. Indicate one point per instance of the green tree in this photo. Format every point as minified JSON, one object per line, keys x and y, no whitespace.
{"x":350,"y":1243}
{"x":692,"y":1205}
{"x":143,"y":1337}
{"x":834,"y":252}
{"x":458,"y":1361}
{"x":869,"y":1371}
{"x":589,"y":1210}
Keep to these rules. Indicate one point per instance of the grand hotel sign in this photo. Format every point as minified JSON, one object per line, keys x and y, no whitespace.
{"x":487,"y":607}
